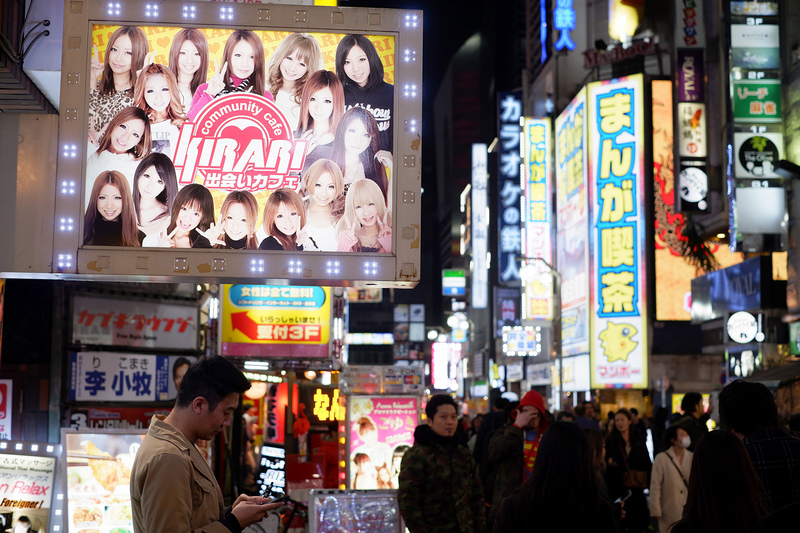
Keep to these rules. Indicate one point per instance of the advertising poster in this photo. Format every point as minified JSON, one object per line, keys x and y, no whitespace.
{"x":509,"y":220}
{"x":134,"y":323}
{"x":689,"y":28}
{"x":755,"y":47}
{"x":479,"y":227}
{"x":381,"y":430}
{"x":506,"y":308}
{"x":692,"y":140}
{"x":98,"y":471}
{"x":6,"y":406}
{"x":755,"y":154}
{"x":26,"y":492}
{"x":286,"y":322}
{"x":757,"y":101}
{"x":619,"y":306}
{"x":240,"y":139}
{"x":113,"y":417}
{"x":124,"y":377}
{"x":572,"y":211}
{"x":537,"y":219}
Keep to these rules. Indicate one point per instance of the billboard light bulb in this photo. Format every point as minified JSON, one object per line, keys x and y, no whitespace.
{"x":411,"y":21}
{"x":114,"y":8}
{"x":70,"y":150}
{"x":257,"y":266}
{"x":295,"y":266}
{"x":333,"y":267}
{"x":68,"y":187}
{"x":409,"y":56}
{"x":189,"y":12}
{"x":151,"y":10}
{"x":66,"y":224}
{"x":371,"y":268}
{"x":410,"y":90}
{"x":64,"y":261}
{"x":226,"y":13}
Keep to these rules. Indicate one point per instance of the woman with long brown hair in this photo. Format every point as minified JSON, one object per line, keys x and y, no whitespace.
{"x":110,"y":219}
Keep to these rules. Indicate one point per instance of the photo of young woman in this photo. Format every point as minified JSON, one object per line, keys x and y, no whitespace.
{"x":110,"y":219}
{"x":238,"y":217}
{"x":188,"y":60}
{"x":361,"y":72}
{"x":284,"y":217}
{"x":192,"y":213}
{"x":323,"y":183}
{"x":356,"y":149}
{"x":157,"y":93}
{"x":112,"y":81}
{"x":125,"y":142}
{"x":365,"y":225}
{"x":154,"y":189}
{"x":296,"y":56}
{"x":321,"y":110}
{"x":243,"y":70}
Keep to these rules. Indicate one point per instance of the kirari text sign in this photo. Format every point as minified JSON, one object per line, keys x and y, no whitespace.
{"x":619,"y":309}
{"x":286,"y":322}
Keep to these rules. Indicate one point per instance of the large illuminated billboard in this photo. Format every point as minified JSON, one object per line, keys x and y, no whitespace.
{"x":240,"y":141}
{"x":619,"y":348}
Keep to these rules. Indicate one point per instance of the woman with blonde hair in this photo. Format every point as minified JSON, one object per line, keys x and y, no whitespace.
{"x":238,"y":217}
{"x":188,"y":60}
{"x":157,"y":93}
{"x":323,"y":184}
{"x":365,"y":225}
{"x":116,"y":224}
{"x":289,"y":67}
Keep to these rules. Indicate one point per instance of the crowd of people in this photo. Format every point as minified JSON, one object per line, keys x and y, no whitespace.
{"x":520,"y":468}
{"x":342,"y":200}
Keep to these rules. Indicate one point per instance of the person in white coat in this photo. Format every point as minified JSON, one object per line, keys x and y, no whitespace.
{"x":669,"y":480}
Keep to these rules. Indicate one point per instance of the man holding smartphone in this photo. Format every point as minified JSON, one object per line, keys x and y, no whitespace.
{"x":514,"y":448}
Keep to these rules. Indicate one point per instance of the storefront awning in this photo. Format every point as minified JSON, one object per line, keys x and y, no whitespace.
{"x":773,"y":377}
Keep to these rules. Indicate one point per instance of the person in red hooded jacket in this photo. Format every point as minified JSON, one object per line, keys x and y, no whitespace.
{"x":514,"y":448}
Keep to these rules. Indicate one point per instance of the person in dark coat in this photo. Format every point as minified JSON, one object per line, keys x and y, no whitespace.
{"x":626,"y":450}
{"x":562,"y":493}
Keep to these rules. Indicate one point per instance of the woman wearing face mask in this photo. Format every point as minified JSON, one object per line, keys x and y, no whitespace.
{"x":157,"y":93}
{"x":669,"y":482}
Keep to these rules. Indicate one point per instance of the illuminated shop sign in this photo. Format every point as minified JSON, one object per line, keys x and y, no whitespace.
{"x":536,"y":276}
{"x":204,"y":155}
{"x":522,"y":341}
{"x":572,"y":210}
{"x":689,"y":28}
{"x":283,"y":321}
{"x":619,"y":330}
{"x":479,"y":227}
{"x":509,"y":241}
{"x":564,"y":23}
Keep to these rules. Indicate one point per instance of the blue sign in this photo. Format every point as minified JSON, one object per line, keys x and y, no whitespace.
{"x":742,"y":287}
{"x":564,"y":22}
{"x":509,"y":242}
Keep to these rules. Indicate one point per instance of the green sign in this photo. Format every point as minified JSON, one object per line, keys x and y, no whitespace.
{"x":794,"y":338}
{"x":757,"y":101}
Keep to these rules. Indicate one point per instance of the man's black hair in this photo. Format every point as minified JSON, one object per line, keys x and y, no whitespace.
{"x":436,"y":401}
{"x":213,"y":378}
{"x":500,"y":402}
{"x":580,"y":410}
{"x":746,"y":407}
{"x":690,"y":401}
{"x":634,"y":411}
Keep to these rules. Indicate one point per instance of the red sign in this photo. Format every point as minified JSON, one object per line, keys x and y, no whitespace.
{"x":275,"y":332}
{"x":240,"y":142}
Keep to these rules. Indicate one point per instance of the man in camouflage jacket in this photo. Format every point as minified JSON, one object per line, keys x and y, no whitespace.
{"x":439,"y":487}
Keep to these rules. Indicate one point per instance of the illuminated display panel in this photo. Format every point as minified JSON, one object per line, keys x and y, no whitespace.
{"x":243,"y":138}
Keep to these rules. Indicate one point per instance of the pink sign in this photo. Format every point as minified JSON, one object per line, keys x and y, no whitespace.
{"x":381,"y":430}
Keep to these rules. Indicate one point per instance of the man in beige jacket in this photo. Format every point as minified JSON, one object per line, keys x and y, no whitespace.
{"x":172,"y":486}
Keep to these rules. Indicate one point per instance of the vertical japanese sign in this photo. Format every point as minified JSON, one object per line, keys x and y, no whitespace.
{"x":572,"y":208}
{"x":276,"y":321}
{"x":119,"y":377}
{"x":537,"y":278}
{"x":480,"y":225}
{"x":619,"y":311}
{"x":691,"y":191}
{"x":508,"y":186}
{"x":381,"y":430}
{"x":26,"y":490}
{"x":6,"y":406}
{"x":564,"y":23}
